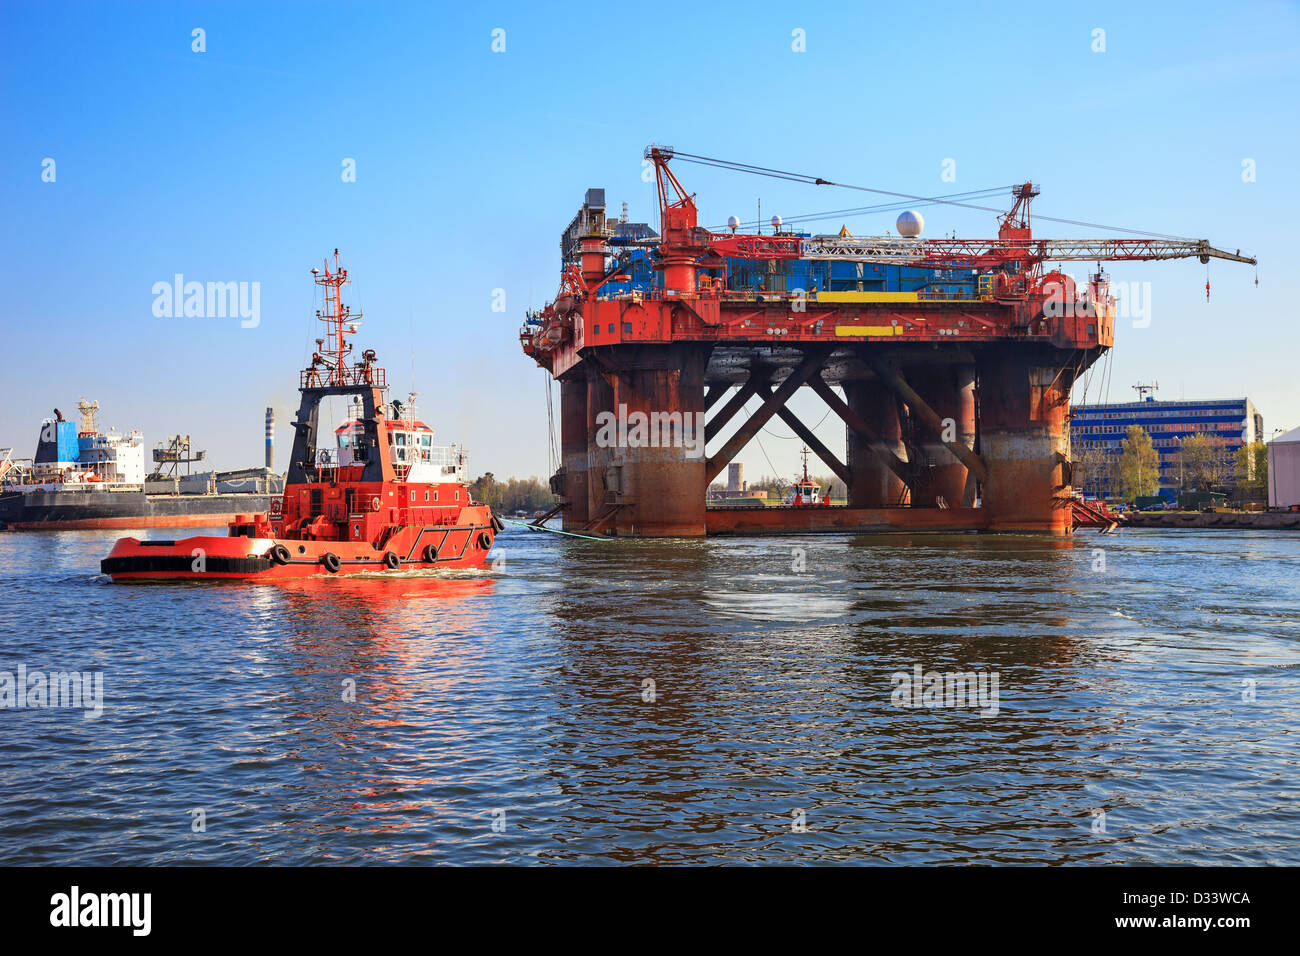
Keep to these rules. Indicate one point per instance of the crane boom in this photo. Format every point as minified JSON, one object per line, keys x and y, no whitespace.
{"x":990,"y":252}
{"x":1015,"y":254}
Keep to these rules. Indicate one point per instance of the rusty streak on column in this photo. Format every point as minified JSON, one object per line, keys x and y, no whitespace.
{"x":812,"y":363}
{"x":601,"y":401}
{"x":949,"y":389}
{"x":573,"y":448}
{"x":814,"y":444}
{"x":1024,"y":438}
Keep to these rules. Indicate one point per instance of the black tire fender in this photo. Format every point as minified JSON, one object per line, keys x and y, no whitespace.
{"x":431,"y":553}
{"x":392,"y":561}
{"x":278,"y":554}
{"x":485,"y":541}
{"x":331,"y":562}
{"x":497,"y":524}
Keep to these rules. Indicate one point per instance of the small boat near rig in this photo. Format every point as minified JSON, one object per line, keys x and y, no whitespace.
{"x":804,"y":492}
{"x":384,"y":498}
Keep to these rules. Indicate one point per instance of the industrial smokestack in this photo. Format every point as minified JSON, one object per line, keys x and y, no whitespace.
{"x":270,"y":438}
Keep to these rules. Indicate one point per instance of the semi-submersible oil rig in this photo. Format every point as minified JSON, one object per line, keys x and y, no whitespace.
{"x":956,"y":358}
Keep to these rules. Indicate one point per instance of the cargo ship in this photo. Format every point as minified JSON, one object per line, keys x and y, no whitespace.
{"x":81,"y":477}
{"x":380,"y":497}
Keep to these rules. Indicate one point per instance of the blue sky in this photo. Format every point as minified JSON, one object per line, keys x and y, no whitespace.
{"x":225,"y":166}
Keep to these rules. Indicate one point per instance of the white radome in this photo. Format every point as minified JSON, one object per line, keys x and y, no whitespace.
{"x":910,"y":223}
{"x":733,"y":223}
{"x":776,"y":223}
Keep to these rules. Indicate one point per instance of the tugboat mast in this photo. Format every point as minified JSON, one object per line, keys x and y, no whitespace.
{"x":334,"y":349}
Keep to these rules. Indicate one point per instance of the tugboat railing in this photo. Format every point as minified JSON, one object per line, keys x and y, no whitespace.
{"x":363,"y":376}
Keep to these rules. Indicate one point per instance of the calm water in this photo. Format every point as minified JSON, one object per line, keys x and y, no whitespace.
{"x":518,"y":695}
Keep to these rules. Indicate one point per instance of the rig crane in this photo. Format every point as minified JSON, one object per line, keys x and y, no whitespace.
{"x":1015,"y":254}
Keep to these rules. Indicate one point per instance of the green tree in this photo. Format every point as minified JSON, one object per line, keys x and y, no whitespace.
{"x":486,"y":489}
{"x":1138,"y":468}
{"x":1203,"y":462}
{"x":517,"y":494}
{"x":767,"y":484}
{"x":1252,"y":467}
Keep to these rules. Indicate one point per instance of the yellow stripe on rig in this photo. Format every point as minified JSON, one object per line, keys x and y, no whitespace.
{"x":867,"y":297}
{"x":866,"y":330}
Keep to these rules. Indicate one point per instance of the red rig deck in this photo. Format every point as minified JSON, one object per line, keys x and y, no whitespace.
{"x":955,"y":393}
{"x":378,"y":502}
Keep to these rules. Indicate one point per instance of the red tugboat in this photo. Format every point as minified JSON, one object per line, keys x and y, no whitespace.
{"x":380,"y":501}
{"x":804,"y":492}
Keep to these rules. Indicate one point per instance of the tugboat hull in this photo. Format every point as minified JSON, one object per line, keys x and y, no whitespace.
{"x":207,"y":558}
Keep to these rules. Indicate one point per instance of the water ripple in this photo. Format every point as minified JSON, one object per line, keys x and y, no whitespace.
{"x":712,"y":701}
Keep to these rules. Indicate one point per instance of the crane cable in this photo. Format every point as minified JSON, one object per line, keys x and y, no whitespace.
{"x":819,"y":181}
{"x":883,"y":207}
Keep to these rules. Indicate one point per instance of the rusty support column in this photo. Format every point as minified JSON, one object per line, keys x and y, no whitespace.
{"x":885,"y":453}
{"x":573,"y":449}
{"x":950,"y":391}
{"x":922,"y":412}
{"x":1024,"y":440}
{"x":647,"y":434}
{"x":602,"y":464}
{"x":874,"y":484}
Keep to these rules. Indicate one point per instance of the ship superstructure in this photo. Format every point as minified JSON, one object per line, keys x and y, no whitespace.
{"x":72,"y":454}
{"x":84,"y":478}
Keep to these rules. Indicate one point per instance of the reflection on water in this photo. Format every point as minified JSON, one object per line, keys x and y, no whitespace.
{"x":668,"y":701}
